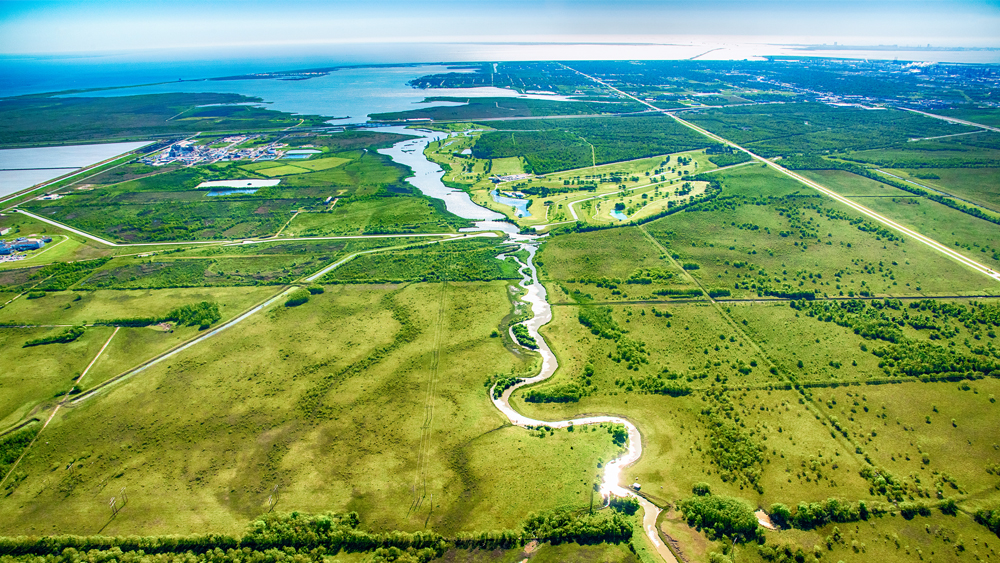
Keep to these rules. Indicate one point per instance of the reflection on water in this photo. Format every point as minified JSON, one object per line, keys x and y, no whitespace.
{"x":427,"y":178}
{"x":520,"y":205}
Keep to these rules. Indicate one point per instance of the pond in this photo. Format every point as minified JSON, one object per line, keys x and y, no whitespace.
{"x":231,"y":191}
{"x":520,"y":205}
{"x":23,"y":168}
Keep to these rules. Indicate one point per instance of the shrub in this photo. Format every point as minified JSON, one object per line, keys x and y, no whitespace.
{"x":36,"y":294}
{"x":721,"y":516}
{"x":297,"y":297}
{"x":523,"y":337}
{"x":628,"y":505}
{"x":315,"y":289}
{"x":569,"y":393}
{"x":781,"y":515}
{"x":68,"y":335}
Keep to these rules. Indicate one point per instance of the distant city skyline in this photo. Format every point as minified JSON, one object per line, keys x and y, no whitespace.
{"x":151,"y":29}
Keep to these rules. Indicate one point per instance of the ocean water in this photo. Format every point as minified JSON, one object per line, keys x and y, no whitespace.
{"x":346,"y":95}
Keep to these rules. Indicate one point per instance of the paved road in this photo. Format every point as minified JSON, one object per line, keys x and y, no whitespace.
{"x":954,"y":120}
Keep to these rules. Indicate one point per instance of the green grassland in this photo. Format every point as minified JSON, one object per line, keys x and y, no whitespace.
{"x":42,"y":371}
{"x":978,"y":185}
{"x":264,"y":263}
{"x":37,"y":120}
{"x":977,"y":238}
{"x":601,"y":264}
{"x":457,"y":261}
{"x":326,"y":400}
{"x":796,"y":385}
{"x":812,"y":128}
{"x":35,"y":375}
{"x":768,"y":233}
{"x":375,"y":216}
{"x":77,"y":307}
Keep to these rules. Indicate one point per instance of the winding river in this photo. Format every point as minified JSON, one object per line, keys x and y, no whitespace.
{"x":427,"y":178}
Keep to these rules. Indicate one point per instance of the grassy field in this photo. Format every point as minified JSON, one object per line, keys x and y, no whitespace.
{"x":802,"y":241}
{"x":291,"y":405}
{"x":54,"y":366}
{"x":462,"y":260}
{"x":37,"y":375}
{"x":979,"y":185}
{"x":975,"y":237}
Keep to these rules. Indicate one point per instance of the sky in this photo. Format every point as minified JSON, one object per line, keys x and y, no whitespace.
{"x":152,"y":28}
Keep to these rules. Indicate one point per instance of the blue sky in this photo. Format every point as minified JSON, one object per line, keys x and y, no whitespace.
{"x":100,"y":26}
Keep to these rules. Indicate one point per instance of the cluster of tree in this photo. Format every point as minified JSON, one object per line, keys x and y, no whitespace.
{"x":808,"y":516}
{"x":13,"y":444}
{"x":884,"y":483}
{"x":304,"y":538}
{"x":972,"y":316}
{"x":814,"y":128}
{"x":68,"y":335}
{"x":657,"y":385}
{"x":202,"y":314}
{"x":627,"y":505}
{"x":920,"y":359}
{"x":467,"y":260}
{"x":59,"y":276}
{"x":297,"y":297}
{"x":738,"y":455}
{"x":503,"y":383}
{"x":721,"y":517}
{"x":989,"y":517}
{"x":725,"y":155}
{"x":565,"y":526}
{"x":865,"y":320}
{"x":567,"y":393}
{"x":524,"y":337}
{"x":680,"y":293}
{"x":601,"y":323}
{"x":482,"y":108}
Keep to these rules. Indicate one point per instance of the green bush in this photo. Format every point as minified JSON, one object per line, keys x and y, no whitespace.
{"x":297,"y":297}
{"x":721,"y":516}
{"x":68,"y":335}
{"x":315,"y":289}
{"x":524,"y":338}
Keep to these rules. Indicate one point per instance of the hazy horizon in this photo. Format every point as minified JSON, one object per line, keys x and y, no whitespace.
{"x":149,"y":29}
